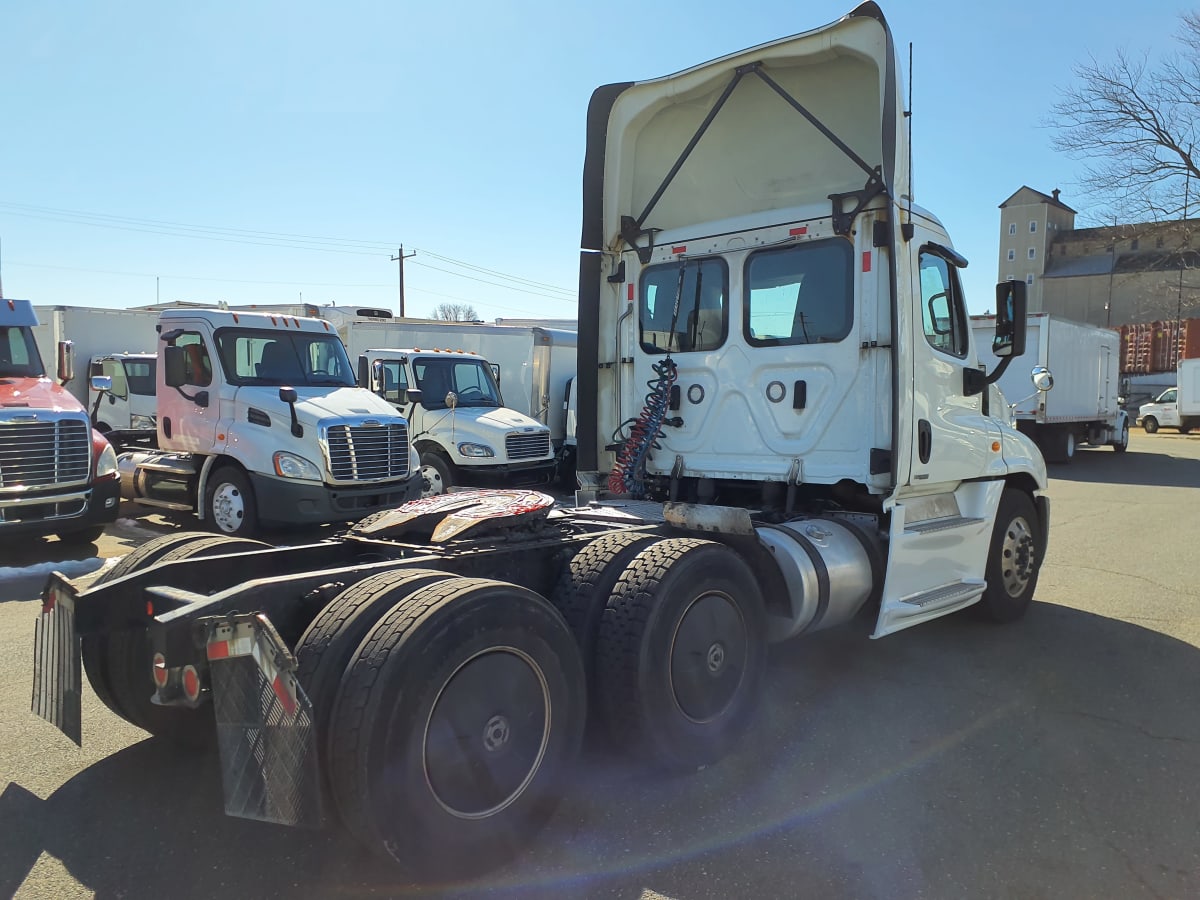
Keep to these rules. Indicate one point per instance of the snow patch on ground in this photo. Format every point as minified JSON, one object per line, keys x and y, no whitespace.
{"x":72,"y":568}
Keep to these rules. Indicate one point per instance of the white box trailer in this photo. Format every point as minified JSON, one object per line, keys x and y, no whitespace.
{"x":94,"y":333}
{"x":1084,"y":405}
{"x":534,"y":365}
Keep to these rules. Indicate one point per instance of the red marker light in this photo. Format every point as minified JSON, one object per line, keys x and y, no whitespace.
{"x":678,"y":250}
{"x":866,"y":260}
{"x":159,"y":670}
{"x":796,"y":232}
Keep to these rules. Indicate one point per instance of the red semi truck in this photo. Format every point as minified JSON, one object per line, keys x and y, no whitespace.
{"x":58,"y":475}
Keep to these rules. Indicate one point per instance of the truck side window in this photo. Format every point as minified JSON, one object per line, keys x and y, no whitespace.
{"x":114,"y":370}
{"x":799,"y":295}
{"x":198,"y":364}
{"x":702,"y":321}
{"x":943,"y":314}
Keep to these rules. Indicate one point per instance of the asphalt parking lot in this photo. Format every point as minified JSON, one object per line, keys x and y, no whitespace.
{"x":1057,"y":757}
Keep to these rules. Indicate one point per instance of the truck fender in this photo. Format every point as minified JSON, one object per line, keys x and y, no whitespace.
{"x":202,"y":484}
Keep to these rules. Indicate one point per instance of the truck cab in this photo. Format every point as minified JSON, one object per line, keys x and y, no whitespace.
{"x":461,"y":428}
{"x":259,"y":421}
{"x":121,"y":397}
{"x":58,"y":475}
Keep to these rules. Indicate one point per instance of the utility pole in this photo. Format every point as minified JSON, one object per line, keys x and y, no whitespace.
{"x":400,"y":257}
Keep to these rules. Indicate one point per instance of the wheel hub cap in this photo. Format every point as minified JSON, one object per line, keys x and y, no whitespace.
{"x":228,"y":510}
{"x":1017,"y":557}
{"x":708,"y":657}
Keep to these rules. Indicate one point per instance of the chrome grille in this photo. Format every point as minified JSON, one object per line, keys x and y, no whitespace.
{"x":42,"y":454}
{"x":527,"y":446}
{"x":367,"y":452}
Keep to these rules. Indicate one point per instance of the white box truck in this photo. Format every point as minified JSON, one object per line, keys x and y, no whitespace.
{"x":1084,"y":407}
{"x":534,"y":365}
{"x":834,"y":461}
{"x":1176,"y":407}
{"x":117,"y":344}
{"x":459,"y":422}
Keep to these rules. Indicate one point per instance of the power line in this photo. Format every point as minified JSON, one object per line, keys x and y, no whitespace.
{"x":200,"y":277}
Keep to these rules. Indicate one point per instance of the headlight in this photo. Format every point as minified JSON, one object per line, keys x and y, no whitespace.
{"x":475,"y":450}
{"x":289,"y":465}
{"x":142,"y":423}
{"x":414,"y":460}
{"x":107,"y":463}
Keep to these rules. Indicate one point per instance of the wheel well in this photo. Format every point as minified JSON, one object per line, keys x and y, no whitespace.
{"x":432,"y":447}
{"x":211,"y":466}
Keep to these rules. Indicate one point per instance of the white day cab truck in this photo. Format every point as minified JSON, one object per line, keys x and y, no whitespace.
{"x":815,"y":449}
{"x":458,"y":422}
{"x":534,"y":365}
{"x":260,"y":422}
{"x":1084,"y":407}
{"x":1177,"y":407}
{"x":113,"y":344}
{"x":58,"y":475}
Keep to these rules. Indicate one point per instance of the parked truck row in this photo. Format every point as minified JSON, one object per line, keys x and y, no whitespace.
{"x":782,"y":428}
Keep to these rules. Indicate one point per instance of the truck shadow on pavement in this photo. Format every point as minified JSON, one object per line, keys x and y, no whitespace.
{"x":890,"y":768}
{"x":1101,"y":466}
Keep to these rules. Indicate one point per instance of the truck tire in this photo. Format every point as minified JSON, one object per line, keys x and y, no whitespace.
{"x":229,"y":504}
{"x":1014,"y":560}
{"x":94,"y":647}
{"x":1121,"y":444}
{"x":82,"y":535}
{"x":456,"y":726}
{"x":331,"y":639}
{"x":437,"y":473}
{"x":1150,"y":424}
{"x":128,"y":658}
{"x":586,"y":583}
{"x":681,"y":653}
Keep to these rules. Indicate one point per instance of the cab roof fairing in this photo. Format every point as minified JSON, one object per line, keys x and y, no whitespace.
{"x":719,"y":140}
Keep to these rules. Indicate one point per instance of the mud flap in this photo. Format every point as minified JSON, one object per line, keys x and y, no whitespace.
{"x":56,"y":660}
{"x":265,"y":730}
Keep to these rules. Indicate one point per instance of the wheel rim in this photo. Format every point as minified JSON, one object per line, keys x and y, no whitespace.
{"x":1125,"y":437}
{"x":228,"y":507}
{"x":432,"y":480}
{"x":487,"y":733}
{"x":708,"y":657}
{"x":1017,"y":557}
{"x":1070,"y":444}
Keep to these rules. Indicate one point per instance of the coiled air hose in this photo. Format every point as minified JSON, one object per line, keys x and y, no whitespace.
{"x":629,"y":473}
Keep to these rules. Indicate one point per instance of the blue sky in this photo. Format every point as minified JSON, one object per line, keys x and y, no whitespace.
{"x":160,"y":150}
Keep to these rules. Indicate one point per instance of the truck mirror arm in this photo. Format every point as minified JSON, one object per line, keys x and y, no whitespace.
{"x":994,"y":375}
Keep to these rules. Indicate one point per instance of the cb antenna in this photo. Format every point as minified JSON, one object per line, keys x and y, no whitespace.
{"x":907,"y":227}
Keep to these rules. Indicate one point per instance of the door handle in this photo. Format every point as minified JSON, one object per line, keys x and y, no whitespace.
{"x":924,"y":440}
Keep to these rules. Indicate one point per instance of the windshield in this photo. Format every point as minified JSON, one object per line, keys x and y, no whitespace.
{"x":278,"y":358}
{"x":470,"y":379}
{"x":18,"y":353}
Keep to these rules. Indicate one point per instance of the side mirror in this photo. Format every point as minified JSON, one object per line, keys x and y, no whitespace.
{"x":174,"y":367}
{"x":101,"y":383}
{"x":1011,"y":309}
{"x":452,"y":399}
{"x":495,"y":371}
{"x":1042,"y":379}
{"x":364,"y":373}
{"x":287,"y":395}
{"x":413,"y":395}
{"x":66,"y":361}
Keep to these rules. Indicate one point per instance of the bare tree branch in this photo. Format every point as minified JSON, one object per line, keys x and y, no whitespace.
{"x":455,"y":312}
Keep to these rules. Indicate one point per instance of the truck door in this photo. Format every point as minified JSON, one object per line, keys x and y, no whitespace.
{"x":942,"y":517}
{"x":188,"y":415}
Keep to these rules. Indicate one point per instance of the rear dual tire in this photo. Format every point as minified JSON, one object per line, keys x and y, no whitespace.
{"x":455,"y":726}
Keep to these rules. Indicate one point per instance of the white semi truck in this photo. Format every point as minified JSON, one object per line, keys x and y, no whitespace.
{"x":816,"y":448}
{"x":459,"y":422}
{"x":1176,"y":407}
{"x":1084,"y":407}
{"x":534,"y":365}
{"x":260,"y":421}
